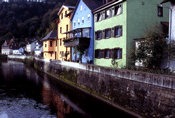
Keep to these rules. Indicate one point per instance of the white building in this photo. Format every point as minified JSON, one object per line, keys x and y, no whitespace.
{"x":9,"y":47}
{"x":171,"y":61}
{"x":30,"y":47}
{"x":39,"y":48}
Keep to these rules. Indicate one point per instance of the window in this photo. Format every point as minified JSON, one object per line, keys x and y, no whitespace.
{"x":51,"y":54}
{"x":118,"y":53}
{"x":108,"y":33}
{"x":118,"y":31}
{"x":81,"y":8}
{"x":98,"y":35}
{"x":97,"y":54}
{"x":74,"y":23}
{"x":78,"y":21}
{"x":106,"y":53}
{"x":56,"y":43}
{"x":118,"y":10}
{"x":65,"y":13}
{"x":60,"y":42}
{"x":100,"y":17}
{"x":160,"y":11}
{"x":89,"y":16}
{"x":67,"y":28}
{"x":50,"y":43}
{"x":108,"y":13}
{"x":60,"y":29}
{"x":82,"y":20}
{"x":61,"y":15}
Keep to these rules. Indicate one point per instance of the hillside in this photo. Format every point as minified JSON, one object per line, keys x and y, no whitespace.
{"x":29,"y":20}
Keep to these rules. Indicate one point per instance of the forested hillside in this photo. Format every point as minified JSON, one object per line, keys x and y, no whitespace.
{"x":22,"y":20}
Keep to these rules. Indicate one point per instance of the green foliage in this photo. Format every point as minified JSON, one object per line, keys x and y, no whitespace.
{"x":151,"y":50}
{"x":81,"y":50}
{"x":29,"y":62}
{"x":3,"y":57}
{"x":27,"y":20}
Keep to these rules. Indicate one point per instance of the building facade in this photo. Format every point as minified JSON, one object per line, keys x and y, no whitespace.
{"x":10,"y":47}
{"x":82,"y":33}
{"x":64,"y":25}
{"x":117,"y":23}
{"x":170,"y":61}
{"x":49,"y":45}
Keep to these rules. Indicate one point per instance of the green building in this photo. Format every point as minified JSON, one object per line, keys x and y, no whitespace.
{"x":118,"y":22}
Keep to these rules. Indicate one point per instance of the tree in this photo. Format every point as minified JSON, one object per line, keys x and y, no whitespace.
{"x":81,"y":50}
{"x":152,"y":50}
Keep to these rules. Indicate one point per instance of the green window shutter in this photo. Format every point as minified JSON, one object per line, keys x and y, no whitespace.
{"x":120,"y":54}
{"x":112,"y":32}
{"x":121,"y":31}
{"x":96,"y":35}
{"x":104,"y":34}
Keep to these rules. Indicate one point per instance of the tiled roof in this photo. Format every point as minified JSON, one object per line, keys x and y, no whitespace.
{"x":52,"y":35}
{"x":93,"y":4}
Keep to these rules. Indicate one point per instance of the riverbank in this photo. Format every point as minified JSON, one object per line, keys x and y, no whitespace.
{"x":150,"y":95}
{"x":70,"y":77}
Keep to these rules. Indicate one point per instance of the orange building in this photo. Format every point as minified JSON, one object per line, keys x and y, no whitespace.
{"x":50,"y":45}
{"x":64,"y":25}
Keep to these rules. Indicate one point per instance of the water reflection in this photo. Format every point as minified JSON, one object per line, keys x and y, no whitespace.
{"x":26,"y":93}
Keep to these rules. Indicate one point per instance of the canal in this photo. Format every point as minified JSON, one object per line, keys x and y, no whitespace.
{"x":27,"y":93}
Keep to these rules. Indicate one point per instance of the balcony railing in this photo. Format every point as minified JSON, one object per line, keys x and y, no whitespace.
{"x":81,"y":41}
{"x":79,"y":36}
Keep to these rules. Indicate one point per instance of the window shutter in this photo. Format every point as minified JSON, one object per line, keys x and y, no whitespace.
{"x":104,"y":34}
{"x":109,"y":33}
{"x":110,"y":53}
{"x":113,"y":11}
{"x":95,"y":18}
{"x":96,"y":34}
{"x":102,"y":53}
{"x":96,"y":51}
{"x":104,"y":15}
{"x":120,"y":30}
{"x":112,"y":32}
{"x":120,"y":51}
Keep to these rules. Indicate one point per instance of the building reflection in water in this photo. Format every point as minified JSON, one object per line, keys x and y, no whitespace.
{"x":53,"y":100}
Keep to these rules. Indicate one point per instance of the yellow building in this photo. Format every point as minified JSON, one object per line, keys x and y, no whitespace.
{"x":50,"y":45}
{"x":64,"y":25}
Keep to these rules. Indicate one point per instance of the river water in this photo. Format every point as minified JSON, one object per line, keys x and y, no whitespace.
{"x":27,"y":93}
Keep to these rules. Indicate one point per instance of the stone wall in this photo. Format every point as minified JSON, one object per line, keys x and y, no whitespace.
{"x":150,"y":95}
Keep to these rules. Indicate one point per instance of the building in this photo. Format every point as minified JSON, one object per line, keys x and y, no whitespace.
{"x":30,"y":47}
{"x":170,"y":62}
{"x":82,"y":34}
{"x":64,"y":25}
{"x":117,"y":23}
{"x":38,"y":49}
{"x":9,"y":47}
{"x":49,"y":42}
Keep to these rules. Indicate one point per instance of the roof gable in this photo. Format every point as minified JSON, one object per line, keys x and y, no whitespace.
{"x":91,"y":4}
{"x":52,"y":35}
{"x":65,"y":7}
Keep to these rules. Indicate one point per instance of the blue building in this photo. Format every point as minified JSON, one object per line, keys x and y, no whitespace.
{"x":82,"y":33}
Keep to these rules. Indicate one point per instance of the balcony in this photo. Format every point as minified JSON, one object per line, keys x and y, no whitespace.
{"x":80,"y":36}
{"x":81,"y":41}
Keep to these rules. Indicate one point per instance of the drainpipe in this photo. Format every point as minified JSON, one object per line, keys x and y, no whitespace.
{"x":170,"y":26}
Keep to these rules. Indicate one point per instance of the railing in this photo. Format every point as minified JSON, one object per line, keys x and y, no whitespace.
{"x":166,"y":81}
